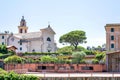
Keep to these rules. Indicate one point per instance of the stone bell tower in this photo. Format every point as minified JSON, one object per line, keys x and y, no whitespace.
{"x":22,"y":28}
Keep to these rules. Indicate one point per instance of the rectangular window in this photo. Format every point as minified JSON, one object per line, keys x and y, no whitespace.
{"x":112,"y":29}
{"x":20,"y":48}
{"x":20,"y":43}
{"x":87,"y":68}
{"x":2,"y":37}
{"x":112,"y":45}
{"x":112,"y":37}
{"x":2,"y":43}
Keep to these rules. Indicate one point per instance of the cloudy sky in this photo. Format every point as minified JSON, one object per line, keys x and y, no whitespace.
{"x":63,"y":15}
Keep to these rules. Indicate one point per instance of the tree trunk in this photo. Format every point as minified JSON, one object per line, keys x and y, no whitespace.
{"x":75,"y":47}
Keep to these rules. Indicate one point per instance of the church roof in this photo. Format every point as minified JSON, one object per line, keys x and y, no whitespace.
{"x":48,"y":29}
{"x":28,"y":35}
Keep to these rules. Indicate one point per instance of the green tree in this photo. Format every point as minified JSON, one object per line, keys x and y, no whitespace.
{"x":74,"y":38}
{"x":65,"y":50}
{"x":78,"y":56}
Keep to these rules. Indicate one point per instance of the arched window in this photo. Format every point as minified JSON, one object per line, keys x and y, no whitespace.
{"x":48,"y":39}
{"x":20,"y":30}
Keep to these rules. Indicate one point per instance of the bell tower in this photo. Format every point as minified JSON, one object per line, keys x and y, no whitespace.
{"x":22,"y":28}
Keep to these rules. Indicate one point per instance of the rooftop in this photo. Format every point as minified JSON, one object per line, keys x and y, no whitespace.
{"x":28,"y":35}
{"x":114,"y":24}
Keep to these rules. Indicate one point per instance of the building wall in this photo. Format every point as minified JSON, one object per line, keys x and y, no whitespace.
{"x":46,"y":43}
{"x":116,"y":35}
{"x":56,"y":67}
{"x":16,"y":43}
{"x":113,"y":62}
{"x":35,"y":45}
{"x":3,"y":40}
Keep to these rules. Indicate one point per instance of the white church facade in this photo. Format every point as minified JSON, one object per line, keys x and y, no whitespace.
{"x":24,"y":41}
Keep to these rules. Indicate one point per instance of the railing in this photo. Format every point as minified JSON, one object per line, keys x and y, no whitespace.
{"x":46,"y":75}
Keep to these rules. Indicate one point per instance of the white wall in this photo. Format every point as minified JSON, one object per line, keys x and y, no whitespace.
{"x":36,"y":45}
{"x":3,"y":40}
{"x":16,"y":43}
{"x":45,"y":35}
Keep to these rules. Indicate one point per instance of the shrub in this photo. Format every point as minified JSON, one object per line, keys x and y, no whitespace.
{"x":78,"y":56}
{"x":2,"y":71}
{"x":100,"y":56}
{"x":95,"y":61}
{"x":68,"y":61}
{"x":65,"y":50}
{"x":14,"y":76}
{"x":14,"y":59}
{"x":82,"y":62}
{"x":89,"y":52}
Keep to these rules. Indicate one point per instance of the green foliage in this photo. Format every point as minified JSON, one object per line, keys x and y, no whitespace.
{"x":46,"y":59}
{"x":54,"y":60}
{"x":74,"y":38}
{"x":14,"y":76}
{"x":65,"y":50}
{"x":82,"y":61}
{"x":4,"y":53}
{"x":3,"y":56}
{"x":2,"y":71}
{"x":89,"y":52}
{"x":30,"y":60}
{"x":61,"y":61}
{"x":68,"y":61}
{"x":78,"y":56}
{"x":49,"y":59}
{"x":95,"y":61}
{"x":14,"y":59}
{"x":100,"y":56}
{"x":80,"y":48}
{"x":3,"y":49}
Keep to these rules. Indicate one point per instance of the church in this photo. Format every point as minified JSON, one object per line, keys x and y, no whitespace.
{"x":24,"y":41}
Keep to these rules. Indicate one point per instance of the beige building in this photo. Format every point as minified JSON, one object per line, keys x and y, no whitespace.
{"x":24,"y":41}
{"x":112,"y":37}
{"x":113,"y":47}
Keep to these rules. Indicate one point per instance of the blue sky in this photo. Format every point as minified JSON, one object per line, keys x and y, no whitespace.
{"x":63,"y":15}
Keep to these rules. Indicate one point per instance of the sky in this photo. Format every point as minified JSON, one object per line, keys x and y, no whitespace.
{"x":63,"y":15}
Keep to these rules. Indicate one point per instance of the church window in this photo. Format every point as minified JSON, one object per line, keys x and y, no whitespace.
{"x":20,"y":48}
{"x":2,"y":37}
{"x":23,"y":24}
{"x":33,"y":50}
{"x":20,"y":43}
{"x":112,"y":37}
{"x":20,"y":30}
{"x":112,"y":29}
{"x":48,"y":39}
{"x":112,"y":45}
